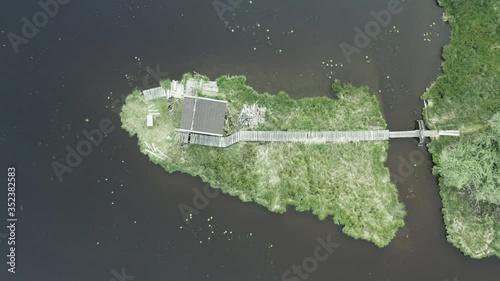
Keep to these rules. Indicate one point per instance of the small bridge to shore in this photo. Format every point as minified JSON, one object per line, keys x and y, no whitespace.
{"x":422,"y":133}
{"x":312,"y":137}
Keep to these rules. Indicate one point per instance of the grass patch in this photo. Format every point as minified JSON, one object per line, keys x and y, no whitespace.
{"x":165,"y":84}
{"x":467,"y":96}
{"x":346,"y":181}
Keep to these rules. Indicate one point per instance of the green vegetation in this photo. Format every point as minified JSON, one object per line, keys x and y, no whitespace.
{"x":346,"y":181}
{"x":165,"y":84}
{"x":467,"y":96}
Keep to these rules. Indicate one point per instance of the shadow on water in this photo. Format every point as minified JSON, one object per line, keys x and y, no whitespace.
{"x":117,"y":210}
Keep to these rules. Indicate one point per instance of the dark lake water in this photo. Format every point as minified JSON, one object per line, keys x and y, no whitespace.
{"x":118,"y":211}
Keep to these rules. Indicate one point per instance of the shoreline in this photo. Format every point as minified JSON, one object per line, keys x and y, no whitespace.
{"x":467,"y":95}
{"x":326,"y":179}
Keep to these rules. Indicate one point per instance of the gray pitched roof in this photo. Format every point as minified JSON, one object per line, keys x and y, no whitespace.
{"x":204,"y":116}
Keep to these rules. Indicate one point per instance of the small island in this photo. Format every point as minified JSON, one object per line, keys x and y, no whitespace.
{"x":346,"y":180}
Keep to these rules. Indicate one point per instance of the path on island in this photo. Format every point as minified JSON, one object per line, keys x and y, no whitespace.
{"x":312,"y":137}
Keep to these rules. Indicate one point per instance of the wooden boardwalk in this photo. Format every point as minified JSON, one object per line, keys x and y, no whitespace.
{"x":426,"y":134}
{"x":284,"y":136}
{"x":422,"y":133}
{"x":311,"y":137}
{"x":305,"y":137}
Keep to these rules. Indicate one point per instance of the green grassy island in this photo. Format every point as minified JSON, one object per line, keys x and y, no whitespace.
{"x":347,"y":181}
{"x":467,"y":96}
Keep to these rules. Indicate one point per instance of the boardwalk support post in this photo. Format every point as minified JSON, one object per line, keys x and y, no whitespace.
{"x":421,"y":129}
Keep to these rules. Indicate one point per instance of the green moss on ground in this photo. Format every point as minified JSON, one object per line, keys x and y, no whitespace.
{"x":467,"y":96}
{"x":346,"y":181}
